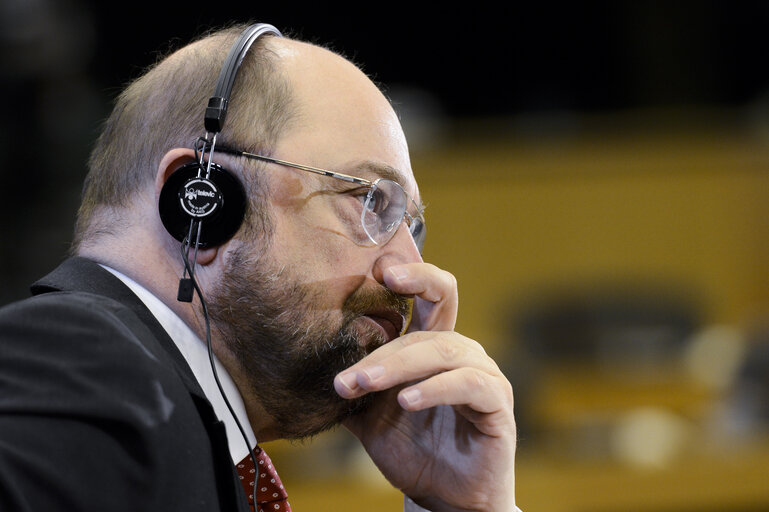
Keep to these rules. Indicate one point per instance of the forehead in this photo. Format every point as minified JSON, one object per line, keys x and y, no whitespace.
{"x":343,"y":123}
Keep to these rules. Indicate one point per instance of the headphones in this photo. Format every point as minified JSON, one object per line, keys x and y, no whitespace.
{"x":202,"y":204}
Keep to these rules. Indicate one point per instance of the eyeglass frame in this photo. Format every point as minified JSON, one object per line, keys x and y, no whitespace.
{"x":350,"y":179}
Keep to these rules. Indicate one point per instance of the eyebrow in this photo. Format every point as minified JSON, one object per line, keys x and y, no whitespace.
{"x":387,"y":172}
{"x":380,"y":170}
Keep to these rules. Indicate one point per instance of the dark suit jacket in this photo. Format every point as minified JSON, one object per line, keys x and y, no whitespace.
{"x":99,"y":410}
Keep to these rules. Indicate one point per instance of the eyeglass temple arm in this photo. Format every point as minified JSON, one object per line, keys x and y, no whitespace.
{"x":316,"y":170}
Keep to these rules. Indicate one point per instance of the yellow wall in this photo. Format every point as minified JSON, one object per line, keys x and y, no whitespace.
{"x":687,"y":210}
{"x":684,"y":209}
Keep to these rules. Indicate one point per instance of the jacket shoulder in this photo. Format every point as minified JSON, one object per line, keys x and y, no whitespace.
{"x":91,"y":405}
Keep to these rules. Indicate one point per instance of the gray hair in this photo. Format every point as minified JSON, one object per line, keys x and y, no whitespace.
{"x":163,"y":109}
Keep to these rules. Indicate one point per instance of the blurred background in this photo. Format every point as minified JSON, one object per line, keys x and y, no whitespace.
{"x":597,"y":178}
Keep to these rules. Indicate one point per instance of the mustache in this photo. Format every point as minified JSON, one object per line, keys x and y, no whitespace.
{"x":366,"y":300}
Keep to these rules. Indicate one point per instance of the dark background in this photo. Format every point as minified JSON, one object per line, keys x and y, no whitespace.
{"x":63,"y":61}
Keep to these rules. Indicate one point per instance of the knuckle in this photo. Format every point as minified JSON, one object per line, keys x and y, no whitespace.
{"x":475,"y":345}
{"x":508,"y":392}
{"x":452,"y":281}
{"x":474,"y":378}
{"x":448,"y":349}
{"x":442,"y":386}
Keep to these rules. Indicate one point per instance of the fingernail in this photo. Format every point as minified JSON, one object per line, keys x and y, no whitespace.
{"x":412,"y":396}
{"x":399,"y":273}
{"x":374,"y":372}
{"x":349,"y":381}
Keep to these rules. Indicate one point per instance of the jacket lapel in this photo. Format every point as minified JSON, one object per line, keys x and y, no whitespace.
{"x":83,"y":275}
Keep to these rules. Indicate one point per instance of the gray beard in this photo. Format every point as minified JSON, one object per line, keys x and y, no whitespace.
{"x":289,"y":349}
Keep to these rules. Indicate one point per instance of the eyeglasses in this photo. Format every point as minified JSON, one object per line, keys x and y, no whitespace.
{"x":384,"y":208}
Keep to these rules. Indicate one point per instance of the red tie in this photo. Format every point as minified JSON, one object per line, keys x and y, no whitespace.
{"x":270,"y":495}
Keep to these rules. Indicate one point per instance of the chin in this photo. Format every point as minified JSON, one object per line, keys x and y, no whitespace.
{"x":316,"y":418}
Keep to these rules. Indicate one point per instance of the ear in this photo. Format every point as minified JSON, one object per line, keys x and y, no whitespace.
{"x":170,"y":162}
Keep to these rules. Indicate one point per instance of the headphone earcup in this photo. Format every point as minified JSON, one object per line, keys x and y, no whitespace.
{"x":217,"y":202}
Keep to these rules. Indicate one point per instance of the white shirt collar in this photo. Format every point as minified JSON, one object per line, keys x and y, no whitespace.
{"x":195,"y":352}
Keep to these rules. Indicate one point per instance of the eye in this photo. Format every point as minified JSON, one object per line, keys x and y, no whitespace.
{"x":359,"y":194}
{"x":376,"y":201}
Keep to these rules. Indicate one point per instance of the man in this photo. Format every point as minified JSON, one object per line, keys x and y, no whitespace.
{"x":107,"y":401}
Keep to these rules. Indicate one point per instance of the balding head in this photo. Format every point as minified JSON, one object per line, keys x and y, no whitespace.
{"x":335,"y":97}
{"x":162,"y":110}
{"x":291,"y":99}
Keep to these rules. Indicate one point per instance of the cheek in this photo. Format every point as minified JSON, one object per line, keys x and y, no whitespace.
{"x":319,"y":254}
{"x":310,"y":238}
{"x":326,"y":266}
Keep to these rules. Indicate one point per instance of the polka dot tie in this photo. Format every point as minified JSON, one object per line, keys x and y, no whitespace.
{"x":270,"y":494}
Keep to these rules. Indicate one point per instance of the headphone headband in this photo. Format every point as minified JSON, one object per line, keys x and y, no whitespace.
{"x":216,"y":112}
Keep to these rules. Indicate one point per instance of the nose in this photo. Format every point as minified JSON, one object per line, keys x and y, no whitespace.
{"x":399,"y":250}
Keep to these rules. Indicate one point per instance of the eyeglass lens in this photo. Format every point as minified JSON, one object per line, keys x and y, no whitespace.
{"x":383,"y":211}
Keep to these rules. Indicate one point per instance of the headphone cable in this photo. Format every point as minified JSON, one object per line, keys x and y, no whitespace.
{"x":190,"y":271}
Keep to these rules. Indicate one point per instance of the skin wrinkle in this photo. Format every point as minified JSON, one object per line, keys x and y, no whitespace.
{"x":372,"y":170}
{"x":321,"y":187}
{"x":335,"y":191}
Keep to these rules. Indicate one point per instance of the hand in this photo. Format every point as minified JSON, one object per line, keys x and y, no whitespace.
{"x":441,"y":428}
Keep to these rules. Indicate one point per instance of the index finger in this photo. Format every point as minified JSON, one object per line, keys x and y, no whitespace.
{"x":435,"y":290}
